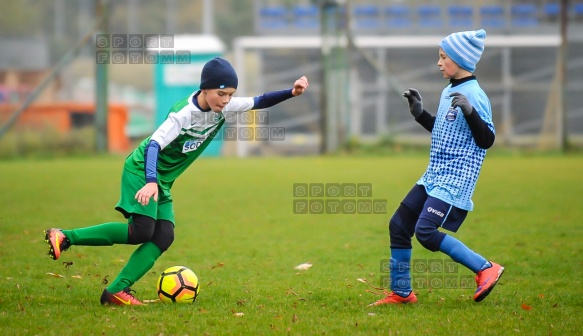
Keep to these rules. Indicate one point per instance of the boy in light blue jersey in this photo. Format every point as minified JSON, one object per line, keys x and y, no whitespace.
{"x":151,"y":169}
{"x":461,"y":131}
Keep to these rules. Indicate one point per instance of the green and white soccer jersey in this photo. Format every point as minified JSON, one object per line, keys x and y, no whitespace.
{"x":183,"y":136}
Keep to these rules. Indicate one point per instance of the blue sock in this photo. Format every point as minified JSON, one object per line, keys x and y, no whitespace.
{"x":462,"y":254}
{"x":400,"y":265}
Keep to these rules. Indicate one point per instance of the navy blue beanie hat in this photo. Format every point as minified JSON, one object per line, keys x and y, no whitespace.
{"x":218,"y":73}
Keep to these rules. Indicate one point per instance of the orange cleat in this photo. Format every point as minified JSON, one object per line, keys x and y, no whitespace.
{"x":57,"y":241}
{"x":393,"y":298}
{"x":121,"y":298}
{"x":486,"y":280}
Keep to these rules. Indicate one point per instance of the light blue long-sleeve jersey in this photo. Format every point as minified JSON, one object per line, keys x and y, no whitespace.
{"x":455,"y":160}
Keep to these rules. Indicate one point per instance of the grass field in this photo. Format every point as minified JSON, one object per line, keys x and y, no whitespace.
{"x":236,"y":229}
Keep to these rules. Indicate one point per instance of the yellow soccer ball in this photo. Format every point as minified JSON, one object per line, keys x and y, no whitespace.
{"x":178,"y":284}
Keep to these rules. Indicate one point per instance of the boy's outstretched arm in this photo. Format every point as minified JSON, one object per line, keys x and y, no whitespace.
{"x":269,"y":99}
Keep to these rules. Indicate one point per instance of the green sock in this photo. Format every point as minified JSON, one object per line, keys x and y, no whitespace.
{"x":140,"y":262}
{"x":105,"y":234}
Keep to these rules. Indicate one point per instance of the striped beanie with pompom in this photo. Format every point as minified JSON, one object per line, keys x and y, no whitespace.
{"x":465,"y":48}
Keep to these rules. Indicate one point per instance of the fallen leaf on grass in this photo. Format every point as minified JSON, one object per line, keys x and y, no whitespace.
{"x":525,"y":306}
{"x":56,"y":275}
{"x":304,"y":266}
{"x":217,"y":265}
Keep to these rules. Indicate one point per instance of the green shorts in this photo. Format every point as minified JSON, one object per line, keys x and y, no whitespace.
{"x":128,"y":205}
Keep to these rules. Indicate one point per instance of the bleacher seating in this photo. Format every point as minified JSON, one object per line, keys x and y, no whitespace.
{"x":306,"y":17}
{"x":371,"y":18}
{"x":366,"y":17}
{"x":524,"y":15}
{"x":577,"y":10}
{"x":275,"y":17}
{"x":398,"y":16}
{"x":460,"y":16}
{"x":551,"y":11}
{"x":492,"y":16}
{"x":429,"y":16}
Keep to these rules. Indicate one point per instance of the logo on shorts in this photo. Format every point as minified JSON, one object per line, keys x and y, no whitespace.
{"x":451,"y":114}
{"x":434,"y":211}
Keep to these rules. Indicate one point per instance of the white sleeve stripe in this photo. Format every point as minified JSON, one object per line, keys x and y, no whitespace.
{"x":239,"y":104}
{"x":170,"y":128}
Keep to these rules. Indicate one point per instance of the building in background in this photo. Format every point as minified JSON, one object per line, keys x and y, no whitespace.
{"x":23,"y":65}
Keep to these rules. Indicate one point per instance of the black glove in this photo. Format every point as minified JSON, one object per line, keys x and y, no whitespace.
{"x":414,"y":99}
{"x":459,"y":100}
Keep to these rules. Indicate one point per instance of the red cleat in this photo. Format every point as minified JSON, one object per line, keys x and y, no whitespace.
{"x":486,"y":280}
{"x":393,"y":298}
{"x":57,"y":241}
{"x":121,"y":298}
{"x":390,"y":297}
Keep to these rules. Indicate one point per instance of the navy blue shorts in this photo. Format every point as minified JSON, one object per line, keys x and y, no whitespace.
{"x":434,"y":210}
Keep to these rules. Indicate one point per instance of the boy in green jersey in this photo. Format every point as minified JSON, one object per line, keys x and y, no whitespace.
{"x":151,"y":169}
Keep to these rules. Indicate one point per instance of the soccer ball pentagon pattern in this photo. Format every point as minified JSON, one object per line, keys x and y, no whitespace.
{"x":177,"y":284}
